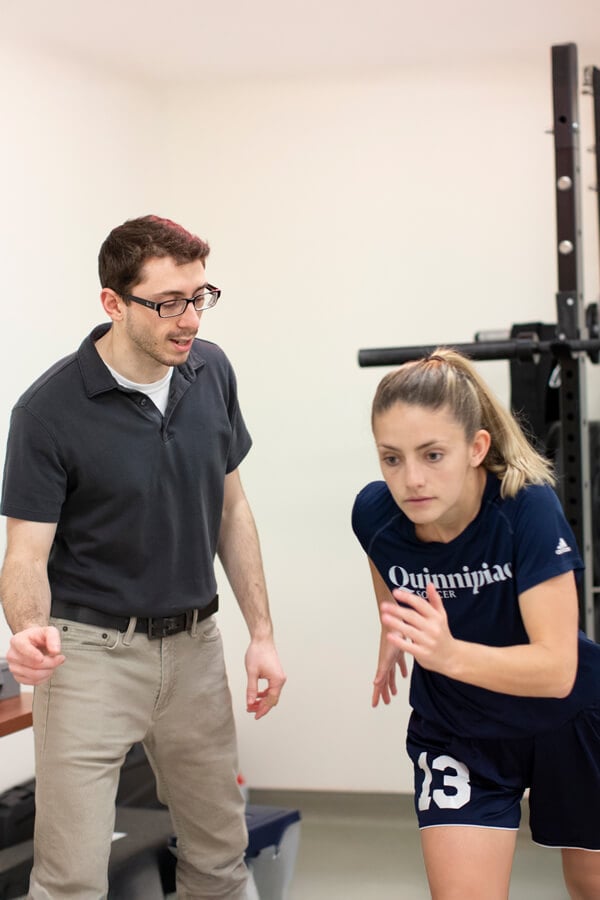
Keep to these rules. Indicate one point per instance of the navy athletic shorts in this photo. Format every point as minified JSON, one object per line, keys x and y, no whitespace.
{"x":465,"y":781}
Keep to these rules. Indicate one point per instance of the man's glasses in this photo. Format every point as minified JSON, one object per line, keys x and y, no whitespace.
{"x":204,"y":299}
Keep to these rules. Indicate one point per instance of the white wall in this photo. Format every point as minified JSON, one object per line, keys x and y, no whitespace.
{"x":78,"y":155}
{"x":411,"y":208}
{"x":414,"y":207}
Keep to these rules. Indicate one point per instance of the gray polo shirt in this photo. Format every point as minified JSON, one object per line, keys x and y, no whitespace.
{"x":137,"y":496}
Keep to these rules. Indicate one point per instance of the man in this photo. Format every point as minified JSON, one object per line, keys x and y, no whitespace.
{"x":121,"y":483}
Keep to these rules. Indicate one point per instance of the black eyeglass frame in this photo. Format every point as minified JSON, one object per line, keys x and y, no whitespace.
{"x":209,"y":293}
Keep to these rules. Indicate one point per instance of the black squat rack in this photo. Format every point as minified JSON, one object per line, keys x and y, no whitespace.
{"x":548,"y":362}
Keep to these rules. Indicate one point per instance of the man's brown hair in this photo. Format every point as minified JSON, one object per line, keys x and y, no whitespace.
{"x":129,"y":246}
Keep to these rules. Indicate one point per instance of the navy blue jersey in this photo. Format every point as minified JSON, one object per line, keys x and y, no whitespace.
{"x":512,"y":545}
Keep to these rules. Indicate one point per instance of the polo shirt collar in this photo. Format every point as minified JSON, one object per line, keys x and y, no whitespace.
{"x":97,"y":378}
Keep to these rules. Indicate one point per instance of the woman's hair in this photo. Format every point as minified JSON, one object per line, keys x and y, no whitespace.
{"x":447,"y":379}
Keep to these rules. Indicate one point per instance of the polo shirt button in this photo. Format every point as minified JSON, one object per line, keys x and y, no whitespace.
{"x":143,"y":401}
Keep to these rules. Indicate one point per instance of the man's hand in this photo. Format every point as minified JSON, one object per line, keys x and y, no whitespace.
{"x":34,"y":654}
{"x":262,"y":663}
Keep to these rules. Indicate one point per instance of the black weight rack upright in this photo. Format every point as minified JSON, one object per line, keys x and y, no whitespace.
{"x":565,"y":346}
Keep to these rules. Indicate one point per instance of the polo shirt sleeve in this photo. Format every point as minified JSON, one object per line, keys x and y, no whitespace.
{"x":241,"y":441}
{"x":35,"y":480}
{"x":545,"y":545}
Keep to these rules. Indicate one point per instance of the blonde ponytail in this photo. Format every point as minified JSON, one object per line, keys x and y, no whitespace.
{"x":449,"y":379}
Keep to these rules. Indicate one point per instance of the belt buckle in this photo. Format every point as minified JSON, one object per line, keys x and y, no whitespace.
{"x":160,"y":628}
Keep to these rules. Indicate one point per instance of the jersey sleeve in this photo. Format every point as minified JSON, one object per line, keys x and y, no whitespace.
{"x":369,"y":512}
{"x":360,"y":518}
{"x":545,"y":545}
{"x":35,"y":480}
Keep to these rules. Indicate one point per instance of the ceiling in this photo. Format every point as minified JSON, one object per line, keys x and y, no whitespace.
{"x":197,"y":39}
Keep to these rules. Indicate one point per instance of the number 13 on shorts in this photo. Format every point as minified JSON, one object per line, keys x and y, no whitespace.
{"x":456,"y":787}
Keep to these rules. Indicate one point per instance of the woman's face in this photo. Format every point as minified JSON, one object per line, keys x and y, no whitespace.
{"x":432,"y":471}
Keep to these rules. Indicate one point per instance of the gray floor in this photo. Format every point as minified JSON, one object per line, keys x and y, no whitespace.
{"x":366,"y":847}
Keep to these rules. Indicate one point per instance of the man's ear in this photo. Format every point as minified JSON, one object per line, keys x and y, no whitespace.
{"x":112,"y":303}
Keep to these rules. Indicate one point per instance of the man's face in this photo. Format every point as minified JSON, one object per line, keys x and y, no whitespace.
{"x":155,"y":340}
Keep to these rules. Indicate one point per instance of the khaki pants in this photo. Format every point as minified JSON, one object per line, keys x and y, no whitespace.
{"x":114,"y":690}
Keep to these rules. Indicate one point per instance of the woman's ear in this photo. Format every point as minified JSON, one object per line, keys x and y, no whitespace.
{"x":480,"y":446}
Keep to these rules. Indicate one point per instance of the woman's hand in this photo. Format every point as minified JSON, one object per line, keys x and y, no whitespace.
{"x":384,"y":684}
{"x":420,"y":627}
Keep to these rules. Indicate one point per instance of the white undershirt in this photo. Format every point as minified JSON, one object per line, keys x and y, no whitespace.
{"x":158,"y":391}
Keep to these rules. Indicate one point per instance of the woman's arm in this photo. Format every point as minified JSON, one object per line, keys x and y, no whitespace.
{"x":384,"y":683}
{"x":545,"y":667}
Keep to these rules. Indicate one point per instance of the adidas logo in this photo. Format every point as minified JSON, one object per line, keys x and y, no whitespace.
{"x":562,"y":547}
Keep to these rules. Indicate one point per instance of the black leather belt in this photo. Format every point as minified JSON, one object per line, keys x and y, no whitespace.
{"x":153,"y":627}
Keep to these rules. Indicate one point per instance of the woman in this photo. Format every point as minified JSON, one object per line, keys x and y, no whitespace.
{"x":473,"y":567}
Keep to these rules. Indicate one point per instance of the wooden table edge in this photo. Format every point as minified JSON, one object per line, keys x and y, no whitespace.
{"x":15,"y":713}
